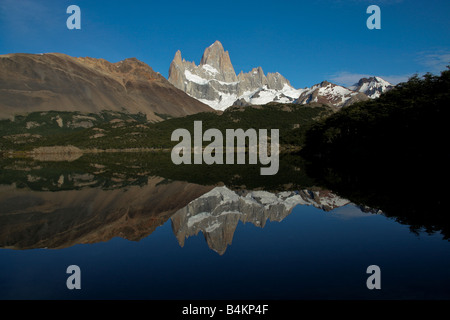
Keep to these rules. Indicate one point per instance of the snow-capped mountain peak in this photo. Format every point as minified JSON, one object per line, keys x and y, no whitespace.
{"x":215,"y":83}
{"x":373,"y":87}
{"x":330,"y":94}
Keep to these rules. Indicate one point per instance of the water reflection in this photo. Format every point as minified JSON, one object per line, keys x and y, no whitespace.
{"x":217,"y":213}
{"x":312,"y":246}
{"x":94,"y":198}
{"x":45,"y":219}
{"x":58,"y":204}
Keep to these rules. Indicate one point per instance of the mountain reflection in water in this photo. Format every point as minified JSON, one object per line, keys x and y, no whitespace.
{"x":45,"y":219}
{"x":98,"y":197}
{"x":94,"y":198}
{"x":55,"y":220}
{"x":217,"y":213}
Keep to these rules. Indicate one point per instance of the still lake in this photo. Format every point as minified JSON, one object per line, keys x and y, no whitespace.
{"x":143,"y":231}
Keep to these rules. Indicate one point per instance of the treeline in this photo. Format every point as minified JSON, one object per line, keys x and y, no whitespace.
{"x":123,"y":131}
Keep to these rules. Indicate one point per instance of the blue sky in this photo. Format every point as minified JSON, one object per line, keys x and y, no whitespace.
{"x":306,"y":41}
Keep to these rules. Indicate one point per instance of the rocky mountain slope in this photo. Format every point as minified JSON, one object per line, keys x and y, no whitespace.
{"x":53,"y":81}
{"x":215,"y":83}
{"x":57,"y":82}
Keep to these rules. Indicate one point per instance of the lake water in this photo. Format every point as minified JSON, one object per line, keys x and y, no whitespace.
{"x":138,"y":235}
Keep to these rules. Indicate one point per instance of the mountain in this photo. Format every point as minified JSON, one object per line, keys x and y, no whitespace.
{"x":215,"y":83}
{"x":58,"y":82}
{"x":331,"y":95}
{"x":217,"y":213}
{"x":373,"y":87}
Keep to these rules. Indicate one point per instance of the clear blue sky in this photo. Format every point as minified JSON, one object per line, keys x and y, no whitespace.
{"x":306,"y":41}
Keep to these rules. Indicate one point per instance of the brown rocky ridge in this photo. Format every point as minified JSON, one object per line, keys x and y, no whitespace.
{"x":58,"y":82}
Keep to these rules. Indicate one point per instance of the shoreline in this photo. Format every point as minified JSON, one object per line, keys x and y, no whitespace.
{"x":72,"y":151}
